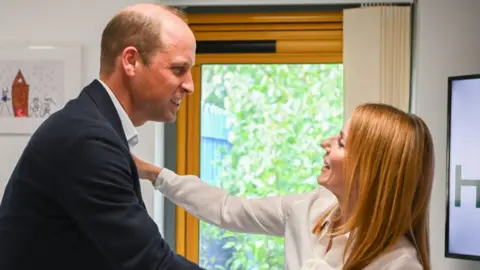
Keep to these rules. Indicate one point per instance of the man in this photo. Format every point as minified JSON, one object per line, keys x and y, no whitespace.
{"x":73,"y":200}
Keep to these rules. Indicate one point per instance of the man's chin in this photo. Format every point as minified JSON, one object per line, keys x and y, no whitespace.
{"x":168,"y":118}
{"x":171,"y":118}
{"x":163,"y":118}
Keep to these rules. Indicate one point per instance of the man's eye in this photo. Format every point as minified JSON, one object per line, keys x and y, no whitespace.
{"x":178,"y":69}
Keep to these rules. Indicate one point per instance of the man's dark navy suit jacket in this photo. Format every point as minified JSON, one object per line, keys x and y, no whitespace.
{"x":73,"y":201}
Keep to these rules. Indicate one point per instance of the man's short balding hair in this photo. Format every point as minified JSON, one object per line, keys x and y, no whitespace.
{"x":132,"y":28}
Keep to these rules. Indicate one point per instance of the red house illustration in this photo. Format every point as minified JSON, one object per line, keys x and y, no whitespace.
{"x":20,"y":91}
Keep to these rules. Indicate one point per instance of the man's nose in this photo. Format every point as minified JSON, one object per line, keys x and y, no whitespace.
{"x":188,"y":86}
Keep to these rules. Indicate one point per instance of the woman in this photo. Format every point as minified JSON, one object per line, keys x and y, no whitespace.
{"x":372,"y":212}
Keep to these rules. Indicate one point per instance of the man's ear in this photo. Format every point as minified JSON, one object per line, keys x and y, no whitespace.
{"x":129,"y":60}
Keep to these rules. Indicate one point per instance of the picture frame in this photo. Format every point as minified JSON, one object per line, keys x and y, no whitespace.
{"x":462,"y":240}
{"x":34,"y":83}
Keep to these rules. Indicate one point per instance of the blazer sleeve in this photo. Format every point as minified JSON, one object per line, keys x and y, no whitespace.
{"x":215,"y":206}
{"x":95,"y":186}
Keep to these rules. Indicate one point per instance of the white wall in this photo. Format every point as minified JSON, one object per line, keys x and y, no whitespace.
{"x":54,"y":22}
{"x":447,"y":43}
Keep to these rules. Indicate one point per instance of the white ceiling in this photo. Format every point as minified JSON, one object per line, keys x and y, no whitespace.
{"x":270,"y":2}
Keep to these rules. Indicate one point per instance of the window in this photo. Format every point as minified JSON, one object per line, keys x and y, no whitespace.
{"x":269,"y":88}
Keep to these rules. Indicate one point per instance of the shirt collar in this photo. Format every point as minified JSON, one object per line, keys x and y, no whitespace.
{"x":326,"y":225}
{"x":129,"y":129}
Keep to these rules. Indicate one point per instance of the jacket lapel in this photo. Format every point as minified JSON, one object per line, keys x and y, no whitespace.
{"x":98,"y":94}
{"x":100,"y":97}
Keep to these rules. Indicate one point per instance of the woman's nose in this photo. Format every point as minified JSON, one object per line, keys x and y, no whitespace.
{"x":325,"y":144}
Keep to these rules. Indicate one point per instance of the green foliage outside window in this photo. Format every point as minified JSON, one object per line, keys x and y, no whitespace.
{"x":278,"y":116}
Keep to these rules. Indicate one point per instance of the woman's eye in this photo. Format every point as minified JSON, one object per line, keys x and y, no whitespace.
{"x":340,"y":143}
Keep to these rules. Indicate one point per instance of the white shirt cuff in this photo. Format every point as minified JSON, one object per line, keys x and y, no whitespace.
{"x":164,"y":176}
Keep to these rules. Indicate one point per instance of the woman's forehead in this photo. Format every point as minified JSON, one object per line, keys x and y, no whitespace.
{"x":346,"y":128}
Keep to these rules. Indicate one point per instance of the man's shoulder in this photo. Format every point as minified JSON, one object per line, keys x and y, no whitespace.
{"x":79,"y":112}
{"x":72,"y":123}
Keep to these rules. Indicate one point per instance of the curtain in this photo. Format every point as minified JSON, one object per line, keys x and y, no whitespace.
{"x":377,"y":56}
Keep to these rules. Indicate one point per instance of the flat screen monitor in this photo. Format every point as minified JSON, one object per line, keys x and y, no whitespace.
{"x":462,"y":237}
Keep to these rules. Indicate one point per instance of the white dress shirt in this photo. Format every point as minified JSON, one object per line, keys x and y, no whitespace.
{"x":129,"y":129}
{"x":290,"y":216}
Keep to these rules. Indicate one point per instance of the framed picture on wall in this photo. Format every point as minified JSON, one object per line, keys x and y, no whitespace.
{"x":33,"y":84}
{"x":462,"y":236}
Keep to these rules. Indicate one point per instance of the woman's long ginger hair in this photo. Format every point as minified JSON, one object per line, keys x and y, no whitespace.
{"x":388,"y":171}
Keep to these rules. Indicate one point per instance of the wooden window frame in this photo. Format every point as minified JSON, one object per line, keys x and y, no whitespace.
{"x":301,"y":38}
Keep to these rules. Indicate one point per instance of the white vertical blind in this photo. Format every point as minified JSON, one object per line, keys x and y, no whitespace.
{"x":376,"y":56}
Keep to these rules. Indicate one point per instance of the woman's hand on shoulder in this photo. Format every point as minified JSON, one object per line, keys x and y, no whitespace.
{"x":146,"y":170}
